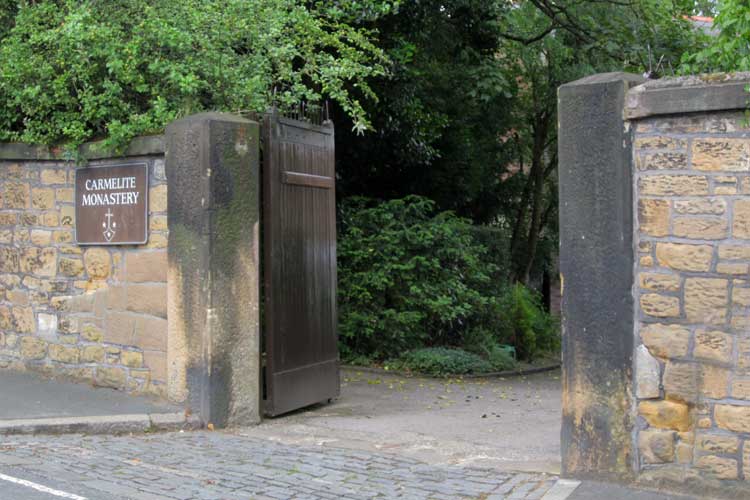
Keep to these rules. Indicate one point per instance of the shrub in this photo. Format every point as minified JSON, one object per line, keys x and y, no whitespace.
{"x":71,"y":71}
{"x":412,"y":278}
{"x":408,"y":278}
{"x":497,"y":242}
{"x":524,"y":323}
{"x":484,"y":342}
{"x":359,"y":361}
{"x":500,"y":359}
{"x":441,"y":361}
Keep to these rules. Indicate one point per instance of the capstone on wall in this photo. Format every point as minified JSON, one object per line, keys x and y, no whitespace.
{"x":91,"y":313}
{"x":692,"y":297}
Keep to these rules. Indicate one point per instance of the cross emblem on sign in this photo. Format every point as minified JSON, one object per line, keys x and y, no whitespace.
{"x":109,"y":226}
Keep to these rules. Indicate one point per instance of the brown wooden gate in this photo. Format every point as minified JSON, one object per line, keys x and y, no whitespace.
{"x":299,"y":238}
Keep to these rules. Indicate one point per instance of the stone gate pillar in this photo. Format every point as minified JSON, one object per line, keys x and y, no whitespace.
{"x":213,"y":170}
{"x":596,"y":264}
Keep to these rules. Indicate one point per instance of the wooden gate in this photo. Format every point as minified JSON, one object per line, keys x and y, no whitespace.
{"x":299,"y":238}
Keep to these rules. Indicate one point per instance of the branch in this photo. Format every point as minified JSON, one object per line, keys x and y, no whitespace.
{"x":529,"y":41}
{"x":559,"y":14}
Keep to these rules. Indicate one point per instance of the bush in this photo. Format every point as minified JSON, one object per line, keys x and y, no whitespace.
{"x":408,"y":278}
{"x":441,"y":361}
{"x":412,"y":278}
{"x":71,"y":71}
{"x":525,"y":325}
{"x":497,"y":242}
{"x":500,"y":359}
{"x":484,"y":342}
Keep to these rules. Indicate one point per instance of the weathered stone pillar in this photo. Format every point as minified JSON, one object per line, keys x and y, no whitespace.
{"x":213,"y":170}
{"x":596,"y":263}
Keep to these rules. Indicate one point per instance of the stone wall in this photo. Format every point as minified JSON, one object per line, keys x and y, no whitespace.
{"x":692,"y":186}
{"x":95,"y":314}
{"x":686,"y":230}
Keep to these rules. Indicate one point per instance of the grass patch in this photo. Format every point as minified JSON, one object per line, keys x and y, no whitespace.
{"x":444,"y":361}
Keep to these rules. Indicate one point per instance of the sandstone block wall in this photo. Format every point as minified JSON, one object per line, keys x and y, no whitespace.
{"x":693,"y":289}
{"x":692,"y":285}
{"x":96,"y":314}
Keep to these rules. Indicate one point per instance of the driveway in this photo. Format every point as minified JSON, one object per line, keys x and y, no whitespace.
{"x":507,"y":424}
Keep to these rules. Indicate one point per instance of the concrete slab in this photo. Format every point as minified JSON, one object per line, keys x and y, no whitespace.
{"x":507,"y":424}
{"x":35,"y":405}
{"x":593,"y":490}
{"x":29,"y":396}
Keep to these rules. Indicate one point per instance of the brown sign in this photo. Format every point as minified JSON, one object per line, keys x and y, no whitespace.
{"x":112,"y":205}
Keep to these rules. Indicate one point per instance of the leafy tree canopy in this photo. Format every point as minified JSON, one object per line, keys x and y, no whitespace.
{"x":461,"y":79}
{"x":729,"y":50}
{"x":74,"y":70}
{"x":467,"y":114}
{"x":435,"y":129}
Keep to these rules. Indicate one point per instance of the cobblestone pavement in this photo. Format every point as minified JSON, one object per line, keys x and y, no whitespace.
{"x":228,"y":466}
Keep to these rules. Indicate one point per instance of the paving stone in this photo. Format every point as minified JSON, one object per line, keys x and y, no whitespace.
{"x":208,"y":466}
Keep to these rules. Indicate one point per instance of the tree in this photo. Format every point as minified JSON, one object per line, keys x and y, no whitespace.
{"x":439,"y":111}
{"x":71,"y":71}
{"x":467,"y":114}
{"x":729,"y":50}
{"x":548,"y":43}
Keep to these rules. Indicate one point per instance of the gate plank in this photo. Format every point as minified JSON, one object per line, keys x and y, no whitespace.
{"x":299,"y":232}
{"x":309,"y":180}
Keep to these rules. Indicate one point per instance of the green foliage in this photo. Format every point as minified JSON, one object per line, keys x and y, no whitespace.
{"x":466,"y":115}
{"x":8,"y":10}
{"x":525,"y":325}
{"x":466,"y":74}
{"x":501,"y":359}
{"x":408,"y":277}
{"x":71,"y":71}
{"x":360,"y":360}
{"x":730,"y":49}
{"x":495,"y":240}
{"x":484,"y":342}
{"x":441,"y":362}
{"x":436,"y":120}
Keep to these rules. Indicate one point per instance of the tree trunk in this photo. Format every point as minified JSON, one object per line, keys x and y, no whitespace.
{"x":540,"y":129}
{"x":518,"y":227}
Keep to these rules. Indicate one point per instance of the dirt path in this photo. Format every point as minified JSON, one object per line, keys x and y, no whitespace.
{"x":505,"y":424}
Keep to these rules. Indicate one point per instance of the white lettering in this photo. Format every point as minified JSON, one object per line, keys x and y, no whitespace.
{"x":104,"y":199}
{"x":110,"y":183}
{"x":123,"y":187}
